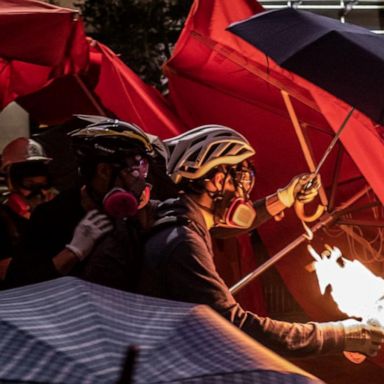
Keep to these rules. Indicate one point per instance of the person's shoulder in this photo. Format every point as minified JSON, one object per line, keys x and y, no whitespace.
{"x":168,"y":229}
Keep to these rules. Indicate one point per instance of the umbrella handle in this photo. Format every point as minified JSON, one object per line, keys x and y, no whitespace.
{"x":300,"y":212}
{"x":354,"y":357}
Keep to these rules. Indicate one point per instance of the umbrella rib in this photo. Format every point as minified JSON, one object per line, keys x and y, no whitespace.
{"x":42,"y":342}
{"x":304,"y":143}
{"x":238,"y":59}
{"x":89,"y":95}
{"x":245,"y":99}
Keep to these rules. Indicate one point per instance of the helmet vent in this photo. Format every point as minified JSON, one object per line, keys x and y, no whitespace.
{"x":211,"y":151}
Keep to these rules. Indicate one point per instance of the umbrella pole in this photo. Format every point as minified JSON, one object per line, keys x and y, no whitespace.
{"x":324,"y":220}
{"x":334,"y":140}
{"x":304,"y":143}
{"x":128,"y":368}
{"x":89,"y":95}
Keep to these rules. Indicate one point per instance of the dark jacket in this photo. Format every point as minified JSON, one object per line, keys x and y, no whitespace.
{"x":112,"y":262}
{"x":12,"y":229}
{"x":178,"y":265}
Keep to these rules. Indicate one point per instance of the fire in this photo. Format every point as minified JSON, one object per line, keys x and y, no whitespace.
{"x":354,"y":288}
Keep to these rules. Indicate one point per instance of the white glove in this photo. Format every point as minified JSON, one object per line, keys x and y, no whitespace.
{"x":303,"y":188}
{"x":362,"y":337}
{"x":87,"y":232}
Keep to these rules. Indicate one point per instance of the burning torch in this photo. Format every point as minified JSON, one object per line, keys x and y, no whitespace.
{"x":345,"y":278}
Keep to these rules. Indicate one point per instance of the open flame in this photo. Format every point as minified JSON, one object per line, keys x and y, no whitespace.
{"x":354,"y":288}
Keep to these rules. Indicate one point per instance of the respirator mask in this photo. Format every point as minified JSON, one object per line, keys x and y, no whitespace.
{"x":234,"y":209}
{"x":28,"y":196}
{"x":132,"y":192}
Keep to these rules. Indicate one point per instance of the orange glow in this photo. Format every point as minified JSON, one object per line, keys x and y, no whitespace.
{"x":354,"y":288}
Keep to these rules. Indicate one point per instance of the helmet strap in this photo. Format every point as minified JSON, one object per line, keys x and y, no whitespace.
{"x":221,"y":199}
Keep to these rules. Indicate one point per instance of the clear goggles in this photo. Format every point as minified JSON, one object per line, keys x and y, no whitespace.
{"x":134,"y":159}
{"x":243,"y":176}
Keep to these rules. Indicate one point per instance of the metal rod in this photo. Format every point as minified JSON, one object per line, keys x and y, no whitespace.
{"x":279,"y":255}
{"x":326,"y":7}
{"x":325,"y":219}
{"x":359,"y":208}
{"x":334,"y":141}
{"x":335,"y":177}
{"x":368,"y":223}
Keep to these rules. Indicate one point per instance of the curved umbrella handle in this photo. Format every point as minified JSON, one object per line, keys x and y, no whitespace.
{"x":300,"y":212}
{"x":354,"y":357}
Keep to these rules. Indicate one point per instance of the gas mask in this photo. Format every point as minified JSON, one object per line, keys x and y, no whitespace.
{"x":119,"y":203}
{"x":234,"y":209}
{"x":132,"y":192}
{"x":27,"y":197}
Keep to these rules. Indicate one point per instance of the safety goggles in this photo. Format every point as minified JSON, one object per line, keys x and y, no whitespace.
{"x":243,"y":176}
{"x":34,"y":186}
{"x":134,"y":159}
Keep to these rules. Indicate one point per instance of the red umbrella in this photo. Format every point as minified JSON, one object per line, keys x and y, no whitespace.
{"x":216,"y":77}
{"x":53,"y":71}
{"x":108,"y":87}
{"x":43,"y":42}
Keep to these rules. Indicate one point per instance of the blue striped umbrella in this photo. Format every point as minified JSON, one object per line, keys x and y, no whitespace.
{"x":71,"y":331}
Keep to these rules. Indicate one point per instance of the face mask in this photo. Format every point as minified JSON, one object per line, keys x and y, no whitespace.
{"x":27,"y":199}
{"x":234,"y":209}
{"x":119,"y":203}
{"x":35,"y":199}
{"x":240,"y":214}
{"x":19,"y":205}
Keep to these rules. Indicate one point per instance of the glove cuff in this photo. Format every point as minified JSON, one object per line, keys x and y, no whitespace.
{"x":274,"y":206}
{"x":353,"y":333}
{"x":333,"y":335}
{"x":285,"y":197}
{"x":76,"y":251}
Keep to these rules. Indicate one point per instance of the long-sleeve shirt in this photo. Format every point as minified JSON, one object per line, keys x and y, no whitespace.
{"x":179,"y":265}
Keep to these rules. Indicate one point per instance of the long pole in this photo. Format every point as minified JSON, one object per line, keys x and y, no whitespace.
{"x":325,"y":219}
{"x":334,"y":141}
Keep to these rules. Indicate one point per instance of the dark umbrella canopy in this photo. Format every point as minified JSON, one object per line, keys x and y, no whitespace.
{"x":70,"y":331}
{"x":344,"y":59}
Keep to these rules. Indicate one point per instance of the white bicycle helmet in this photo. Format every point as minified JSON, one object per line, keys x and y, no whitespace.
{"x":194,"y":153}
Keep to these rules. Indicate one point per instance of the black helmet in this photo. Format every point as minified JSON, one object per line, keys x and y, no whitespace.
{"x":109,"y":139}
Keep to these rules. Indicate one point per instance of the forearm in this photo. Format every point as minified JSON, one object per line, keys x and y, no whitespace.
{"x":289,"y":339}
{"x":29,"y":268}
{"x":4,"y":264}
{"x":65,"y":261}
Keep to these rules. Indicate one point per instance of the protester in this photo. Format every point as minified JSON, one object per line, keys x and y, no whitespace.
{"x":25,"y":166}
{"x":93,"y":231}
{"x":211,"y":165}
